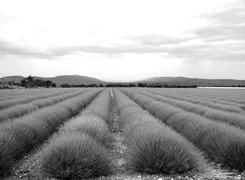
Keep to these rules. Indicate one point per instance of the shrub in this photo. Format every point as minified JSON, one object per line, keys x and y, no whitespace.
{"x":152,"y":106}
{"x":40,"y":127}
{"x":100,"y":106}
{"x":140,"y":124}
{"x":129,"y":109}
{"x":190,"y":125}
{"x":23,"y":133}
{"x":158,"y":150}
{"x":74,"y":156}
{"x":222,"y":143}
{"x":135,"y":118}
{"x":225,"y":145}
{"x":98,"y":111}
{"x":16,"y":138}
{"x":127,"y":118}
{"x":227,"y":117}
{"x":91,"y":125}
{"x":9,"y":145}
{"x":166,"y":111}
{"x":120,"y":105}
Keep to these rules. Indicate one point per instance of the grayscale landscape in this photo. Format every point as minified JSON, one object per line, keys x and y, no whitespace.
{"x":122,"y":90}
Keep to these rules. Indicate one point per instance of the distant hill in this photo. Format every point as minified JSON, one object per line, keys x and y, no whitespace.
{"x":66,"y":79}
{"x":73,"y":79}
{"x":194,"y":81}
{"x":16,"y":79}
{"x":183,"y":81}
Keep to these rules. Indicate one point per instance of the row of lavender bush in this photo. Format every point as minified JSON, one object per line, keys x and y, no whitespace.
{"x":223,"y":143}
{"x":26,"y":98}
{"x":80,"y":148}
{"x":23,"y":109}
{"x":25,"y":133}
{"x":220,"y":105}
{"x":236,"y":119}
{"x":153,"y":147}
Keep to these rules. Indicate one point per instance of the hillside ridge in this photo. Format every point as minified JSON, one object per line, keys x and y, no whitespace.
{"x":194,"y":81}
{"x":63,"y":79}
{"x":182,"y":81}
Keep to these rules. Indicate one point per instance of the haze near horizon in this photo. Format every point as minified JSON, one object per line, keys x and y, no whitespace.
{"x":123,"y":40}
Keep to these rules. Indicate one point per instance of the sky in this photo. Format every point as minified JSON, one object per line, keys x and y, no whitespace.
{"x":123,"y":40}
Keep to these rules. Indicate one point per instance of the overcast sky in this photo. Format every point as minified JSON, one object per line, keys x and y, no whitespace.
{"x":123,"y":39}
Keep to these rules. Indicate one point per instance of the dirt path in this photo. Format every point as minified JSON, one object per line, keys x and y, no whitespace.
{"x":119,"y":147}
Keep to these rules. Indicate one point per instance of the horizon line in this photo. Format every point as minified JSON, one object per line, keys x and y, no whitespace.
{"x":108,"y":80}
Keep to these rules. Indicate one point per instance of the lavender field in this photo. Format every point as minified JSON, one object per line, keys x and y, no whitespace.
{"x":122,"y":133}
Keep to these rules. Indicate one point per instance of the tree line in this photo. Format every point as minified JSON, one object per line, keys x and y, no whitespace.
{"x":30,"y":82}
{"x":152,"y":85}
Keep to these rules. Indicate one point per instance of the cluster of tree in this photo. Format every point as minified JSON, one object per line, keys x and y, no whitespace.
{"x":121,"y":85}
{"x":152,"y":85}
{"x":30,"y":82}
{"x":80,"y":85}
{"x":238,"y":86}
{"x":100,"y":85}
{"x":164,"y":85}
